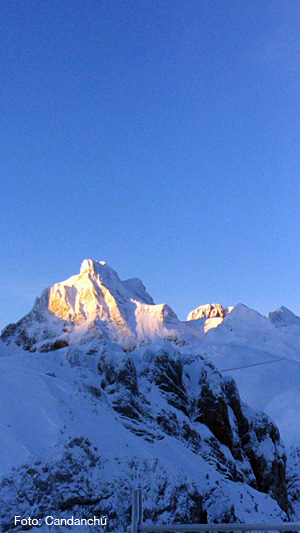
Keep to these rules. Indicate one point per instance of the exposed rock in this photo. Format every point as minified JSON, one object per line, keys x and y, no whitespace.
{"x":212,"y":407}
{"x":58,"y":344}
{"x":209,"y":311}
{"x":168,"y":376}
{"x":215,"y":402}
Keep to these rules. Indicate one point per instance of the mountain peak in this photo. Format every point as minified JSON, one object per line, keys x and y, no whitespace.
{"x":93,"y":267}
{"x":94,"y":304}
{"x":283,"y":317}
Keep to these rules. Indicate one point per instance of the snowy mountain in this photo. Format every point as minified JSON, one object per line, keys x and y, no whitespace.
{"x":95,"y":305}
{"x":284,"y":317}
{"x":102,"y":391}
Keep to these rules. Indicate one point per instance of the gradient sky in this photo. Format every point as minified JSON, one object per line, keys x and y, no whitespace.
{"x":161,"y":136}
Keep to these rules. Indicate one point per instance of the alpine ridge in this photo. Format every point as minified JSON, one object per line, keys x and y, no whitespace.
{"x":97,"y":304}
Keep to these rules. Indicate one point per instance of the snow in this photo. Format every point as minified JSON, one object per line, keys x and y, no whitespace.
{"x":284,"y":317}
{"x":48,"y":397}
{"x":264,"y":360}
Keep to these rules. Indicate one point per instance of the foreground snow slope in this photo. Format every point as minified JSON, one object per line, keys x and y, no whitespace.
{"x":102,"y":391}
{"x":95,"y":422}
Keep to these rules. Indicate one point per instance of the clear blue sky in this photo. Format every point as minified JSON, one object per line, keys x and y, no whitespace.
{"x":159,"y":135}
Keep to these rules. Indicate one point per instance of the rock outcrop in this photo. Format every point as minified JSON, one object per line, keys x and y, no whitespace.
{"x":209,"y":311}
{"x":211,"y":314}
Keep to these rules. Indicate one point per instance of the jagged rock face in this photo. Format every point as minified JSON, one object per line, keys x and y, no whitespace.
{"x":209,"y":311}
{"x":195,"y":392}
{"x":259,"y":433}
{"x":293,"y":479}
{"x":93,"y":305}
{"x":211,"y":314}
{"x":270,"y":475}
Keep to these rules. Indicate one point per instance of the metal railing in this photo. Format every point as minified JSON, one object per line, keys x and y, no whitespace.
{"x":137,"y":525}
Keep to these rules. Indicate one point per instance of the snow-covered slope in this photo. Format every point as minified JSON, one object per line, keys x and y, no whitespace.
{"x":264,"y":359}
{"x":102,"y":391}
{"x":283,"y":317}
{"x":95,"y":422}
{"x":263,"y":356}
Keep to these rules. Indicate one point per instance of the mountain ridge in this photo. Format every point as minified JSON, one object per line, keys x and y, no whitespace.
{"x":96,"y":299}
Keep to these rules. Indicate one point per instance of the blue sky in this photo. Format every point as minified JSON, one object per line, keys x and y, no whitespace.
{"x":161,"y":136}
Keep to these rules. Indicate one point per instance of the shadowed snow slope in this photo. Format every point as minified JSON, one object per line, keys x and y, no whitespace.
{"x":102,"y":391}
{"x":264,"y":359}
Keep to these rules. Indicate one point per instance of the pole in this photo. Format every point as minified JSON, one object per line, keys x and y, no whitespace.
{"x":135,"y":512}
{"x":140,"y":502}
